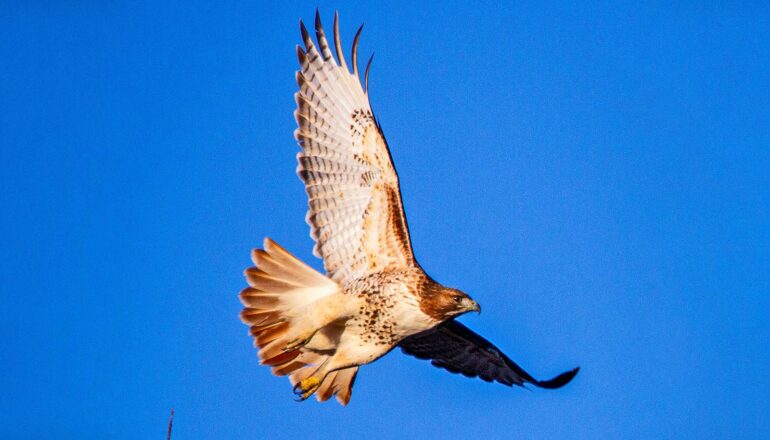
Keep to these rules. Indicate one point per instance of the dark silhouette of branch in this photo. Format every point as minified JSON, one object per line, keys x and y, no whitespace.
{"x":170,"y":423}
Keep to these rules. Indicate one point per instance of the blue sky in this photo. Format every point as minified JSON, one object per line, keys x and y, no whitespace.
{"x":596,"y":176}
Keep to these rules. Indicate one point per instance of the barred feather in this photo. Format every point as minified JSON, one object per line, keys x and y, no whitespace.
{"x":354,"y":203}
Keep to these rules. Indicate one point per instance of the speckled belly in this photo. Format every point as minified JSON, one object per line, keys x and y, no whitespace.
{"x":387,"y":312}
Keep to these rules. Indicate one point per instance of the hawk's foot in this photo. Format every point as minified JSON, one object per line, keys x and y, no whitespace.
{"x":306,"y":387}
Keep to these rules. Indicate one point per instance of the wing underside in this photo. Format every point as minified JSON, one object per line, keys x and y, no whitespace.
{"x":355,"y":211}
{"x":456,"y":348}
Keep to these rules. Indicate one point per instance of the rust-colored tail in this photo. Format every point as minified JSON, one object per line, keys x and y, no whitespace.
{"x":280,"y":287}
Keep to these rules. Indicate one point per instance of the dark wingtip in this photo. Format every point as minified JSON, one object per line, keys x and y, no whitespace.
{"x":317,"y":23}
{"x":366,"y":74}
{"x":354,"y":50}
{"x":558,"y":381}
{"x":305,"y":36}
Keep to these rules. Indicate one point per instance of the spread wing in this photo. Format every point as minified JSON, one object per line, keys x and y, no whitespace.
{"x":355,"y":212}
{"x":458,"y":349}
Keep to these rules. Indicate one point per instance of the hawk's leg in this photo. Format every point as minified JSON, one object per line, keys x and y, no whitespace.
{"x":349,"y":352}
{"x":308,"y":386}
{"x":300,"y":340}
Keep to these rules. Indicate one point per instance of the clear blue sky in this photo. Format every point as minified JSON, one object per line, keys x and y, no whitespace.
{"x":596,"y":176}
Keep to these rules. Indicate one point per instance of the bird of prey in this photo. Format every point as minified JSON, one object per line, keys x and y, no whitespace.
{"x":319,"y":329}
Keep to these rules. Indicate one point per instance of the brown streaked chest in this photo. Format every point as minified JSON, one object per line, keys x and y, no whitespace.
{"x":389,"y":308}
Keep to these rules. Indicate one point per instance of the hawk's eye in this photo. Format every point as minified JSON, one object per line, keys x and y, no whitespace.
{"x":457,"y":298}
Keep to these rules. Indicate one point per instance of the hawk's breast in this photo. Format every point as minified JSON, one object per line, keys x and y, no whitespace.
{"x":390,"y":308}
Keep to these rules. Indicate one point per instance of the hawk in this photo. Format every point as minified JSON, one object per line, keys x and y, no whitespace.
{"x":319,"y":329}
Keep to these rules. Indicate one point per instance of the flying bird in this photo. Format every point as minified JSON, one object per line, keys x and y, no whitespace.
{"x":320,"y":329}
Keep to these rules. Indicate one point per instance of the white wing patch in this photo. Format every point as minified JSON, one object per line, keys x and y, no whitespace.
{"x":354,"y":204}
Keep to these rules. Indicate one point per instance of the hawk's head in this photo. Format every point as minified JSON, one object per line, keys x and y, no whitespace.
{"x":442,"y":303}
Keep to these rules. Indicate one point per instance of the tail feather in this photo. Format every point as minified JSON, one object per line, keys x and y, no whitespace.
{"x":281,"y":358}
{"x":287,"y":368}
{"x":271,"y":333}
{"x":326,"y":390}
{"x":344,"y":384}
{"x":270,"y":353}
{"x":338,"y":384}
{"x":258,"y":318}
{"x":281,"y":264}
{"x":259,"y":299}
{"x":280,"y":286}
{"x":261,"y":280}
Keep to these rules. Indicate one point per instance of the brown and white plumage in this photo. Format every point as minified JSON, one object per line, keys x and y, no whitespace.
{"x":355,"y":211}
{"x":320,"y":329}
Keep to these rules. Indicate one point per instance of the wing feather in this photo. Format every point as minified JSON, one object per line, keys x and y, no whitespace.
{"x":321,"y":37}
{"x":355,"y":210}
{"x":457,"y":349}
{"x":338,"y":42}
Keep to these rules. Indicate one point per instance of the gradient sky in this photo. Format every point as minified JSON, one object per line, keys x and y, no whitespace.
{"x":596,"y":176}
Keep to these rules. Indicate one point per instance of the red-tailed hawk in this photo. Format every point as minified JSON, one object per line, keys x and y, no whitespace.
{"x":319,"y":329}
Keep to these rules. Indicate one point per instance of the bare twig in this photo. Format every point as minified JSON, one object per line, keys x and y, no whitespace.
{"x":170,"y":423}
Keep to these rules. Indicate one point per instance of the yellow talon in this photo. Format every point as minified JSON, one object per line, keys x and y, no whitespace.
{"x":306,"y":387}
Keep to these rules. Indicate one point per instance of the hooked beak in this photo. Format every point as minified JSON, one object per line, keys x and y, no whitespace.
{"x":474,"y":307}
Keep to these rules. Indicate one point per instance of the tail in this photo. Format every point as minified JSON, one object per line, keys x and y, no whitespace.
{"x":281,"y":286}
